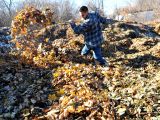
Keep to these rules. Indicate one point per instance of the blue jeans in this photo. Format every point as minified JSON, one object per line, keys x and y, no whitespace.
{"x":97,"y":54}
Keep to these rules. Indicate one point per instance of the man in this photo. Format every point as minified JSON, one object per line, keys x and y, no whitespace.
{"x":91,"y":29}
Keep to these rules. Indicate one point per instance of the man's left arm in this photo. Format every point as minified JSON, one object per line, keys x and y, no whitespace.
{"x":104,"y":20}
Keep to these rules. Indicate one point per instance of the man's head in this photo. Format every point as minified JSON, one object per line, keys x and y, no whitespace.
{"x":83,"y":12}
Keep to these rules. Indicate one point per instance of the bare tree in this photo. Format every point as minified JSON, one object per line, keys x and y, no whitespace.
{"x":149,"y":6}
{"x":63,"y":9}
{"x":66,"y":10}
{"x":96,"y":5}
{"x":6,"y":11}
{"x":8,"y":5}
{"x":92,"y":6}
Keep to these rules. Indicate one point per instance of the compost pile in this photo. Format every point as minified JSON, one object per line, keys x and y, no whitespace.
{"x":5,"y":40}
{"x":45,"y":77}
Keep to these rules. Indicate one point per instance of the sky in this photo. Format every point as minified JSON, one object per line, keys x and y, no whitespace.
{"x":109,"y":5}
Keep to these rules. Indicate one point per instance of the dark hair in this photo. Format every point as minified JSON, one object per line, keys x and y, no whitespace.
{"x":83,"y":9}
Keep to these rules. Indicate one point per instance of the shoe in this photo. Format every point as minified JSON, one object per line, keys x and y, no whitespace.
{"x":105,"y":66}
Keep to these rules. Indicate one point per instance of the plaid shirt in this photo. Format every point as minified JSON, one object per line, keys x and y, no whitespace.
{"x":91,"y":28}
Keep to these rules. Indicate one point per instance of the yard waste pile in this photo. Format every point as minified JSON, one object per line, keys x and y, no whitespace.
{"x":45,"y":77}
{"x":157,"y":28}
{"x":5,"y":38}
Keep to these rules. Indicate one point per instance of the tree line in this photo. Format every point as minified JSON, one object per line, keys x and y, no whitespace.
{"x":140,"y":6}
{"x":65,"y":9}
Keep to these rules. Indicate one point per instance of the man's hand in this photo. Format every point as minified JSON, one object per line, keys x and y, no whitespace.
{"x":71,"y":21}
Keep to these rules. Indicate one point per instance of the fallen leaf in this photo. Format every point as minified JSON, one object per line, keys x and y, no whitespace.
{"x":121,"y":111}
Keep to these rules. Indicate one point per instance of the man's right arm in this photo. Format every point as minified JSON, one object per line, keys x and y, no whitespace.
{"x":82,"y":28}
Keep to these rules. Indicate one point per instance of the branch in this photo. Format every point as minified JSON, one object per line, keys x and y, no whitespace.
{"x":8,"y":6}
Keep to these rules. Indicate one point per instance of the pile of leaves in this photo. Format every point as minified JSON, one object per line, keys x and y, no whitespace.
{"x":157,"y":28}
{"x":30,"y":16}
{"x":128,"y":90}
{"x":46,"y":46}
{"x":32,"y":36}
{"x":81,"y":93}
{"x":155,"y":25}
